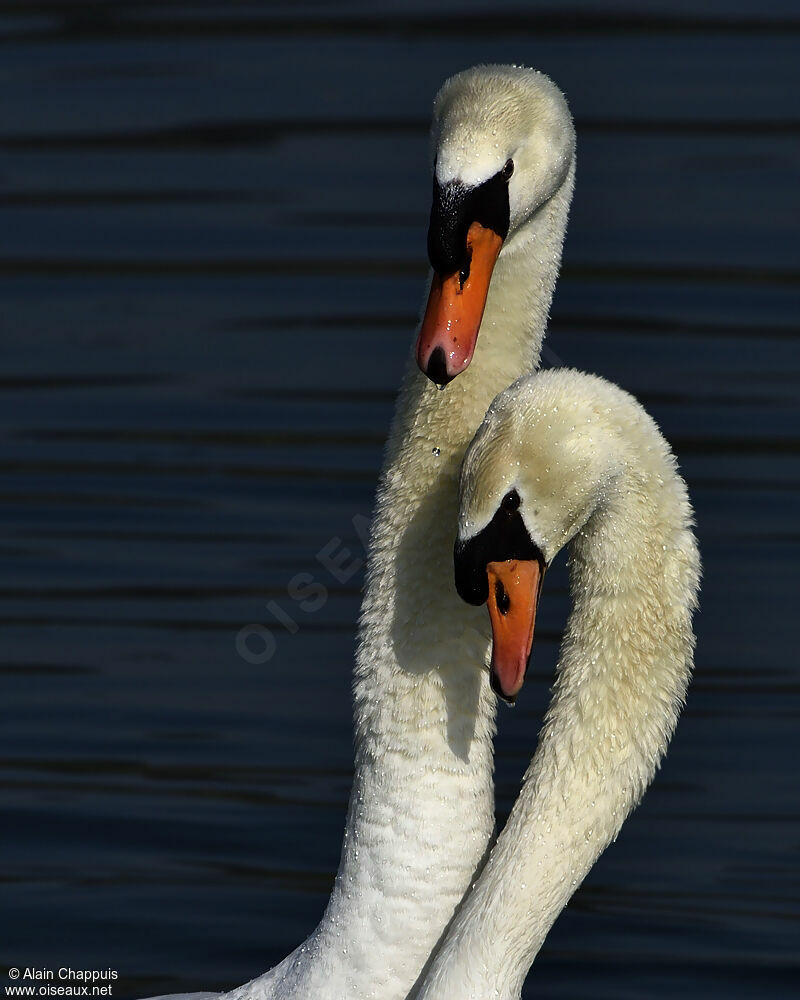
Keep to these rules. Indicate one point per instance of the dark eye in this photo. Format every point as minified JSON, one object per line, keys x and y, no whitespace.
{"x":507,"y":170}
{"x":511,"y":501}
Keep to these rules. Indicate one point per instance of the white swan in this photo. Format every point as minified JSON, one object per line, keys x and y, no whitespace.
{"x":422,"y":804}
{"x":564,"y":457}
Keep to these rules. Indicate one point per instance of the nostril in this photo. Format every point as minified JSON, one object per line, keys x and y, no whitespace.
{"x":463,"y":274}
{"x":437,"y":368}
{"x":502,"y":599}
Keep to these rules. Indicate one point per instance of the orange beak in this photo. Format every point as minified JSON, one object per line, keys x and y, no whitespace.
{"x":454,"y":312}
{"x":514,"y":588}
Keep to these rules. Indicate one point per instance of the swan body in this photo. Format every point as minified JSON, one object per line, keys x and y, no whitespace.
{"x":585,"y":465}
{"x":421,"y":809}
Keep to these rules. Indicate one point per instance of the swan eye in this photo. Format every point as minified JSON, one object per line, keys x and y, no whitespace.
{"x":511,"y":501}
{"x":507,"y":170}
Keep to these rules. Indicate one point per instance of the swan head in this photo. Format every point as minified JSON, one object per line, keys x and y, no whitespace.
{"x":502,"y":143}
{"x":547,"y":455}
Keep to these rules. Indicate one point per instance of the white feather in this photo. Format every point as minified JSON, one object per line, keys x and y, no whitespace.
{"x":422,"y":805}
{"x":592,"y":470}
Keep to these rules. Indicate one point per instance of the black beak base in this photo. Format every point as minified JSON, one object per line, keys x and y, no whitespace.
{"x":504,"y":537}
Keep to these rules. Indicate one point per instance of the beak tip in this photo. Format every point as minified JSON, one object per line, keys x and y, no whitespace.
{"x":436,"y":369}
{"x":509,"y":699}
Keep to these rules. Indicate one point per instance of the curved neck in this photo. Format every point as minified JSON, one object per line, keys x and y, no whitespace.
{"x":422,"y":805}
{"x":624,"y":666}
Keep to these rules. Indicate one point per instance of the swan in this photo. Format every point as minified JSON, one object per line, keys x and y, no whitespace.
{"x":421,"y":809}
{"x":568,"y":458}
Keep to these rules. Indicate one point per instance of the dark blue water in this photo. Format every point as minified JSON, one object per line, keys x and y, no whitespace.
{"x":212,"y":253}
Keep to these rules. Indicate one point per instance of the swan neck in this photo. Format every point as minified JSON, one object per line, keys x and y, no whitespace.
{"x":421,"y":809}
{"x":624,"y":666}
{"x":424,"y":714}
